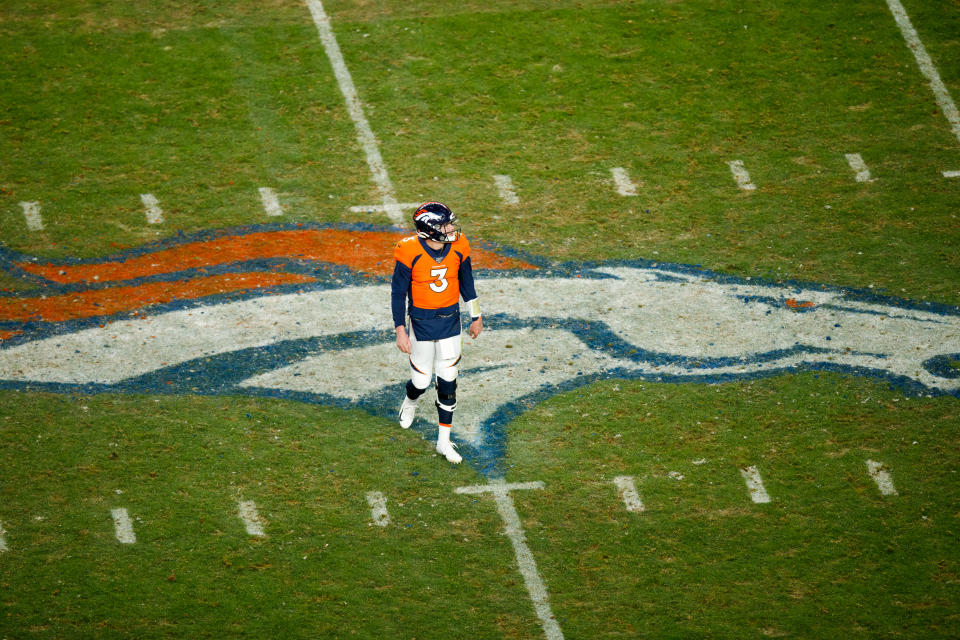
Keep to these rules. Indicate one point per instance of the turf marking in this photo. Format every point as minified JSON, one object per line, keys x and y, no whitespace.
{"x":927,"y":68}
{"x":907,"y":344}
{"x":624,"y":184}
{"x":878,"y":471}
{"x":247,"y":509}
{"x":123,"y":526}
{"x":270,"y":203}
{"x":505,"y":189}
{"x":528,"y":566}
{"x":355,"y":108}
{"x":153,"y":211}
{"x":855,"y":160}
{"x":951,"y":174}
{"x":741,"y":175}
{"x":31,"y":213}
{"x":628,"y":493}
{"x":755,"y":485}
{"x":498,"y":486}
{"x":379,"y":208}
{"x":3,"y":539}
{"x":378,"y":508}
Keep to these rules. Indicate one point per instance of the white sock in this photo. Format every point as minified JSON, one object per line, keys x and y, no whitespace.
{"x":443,"y":435}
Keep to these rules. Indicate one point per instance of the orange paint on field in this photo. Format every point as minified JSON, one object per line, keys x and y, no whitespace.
{"x":481,"y":259}
{"x":6,"y":335}
{"x":366,"y":251}
{"x":85,"y":304}
{"x":803,"y":304}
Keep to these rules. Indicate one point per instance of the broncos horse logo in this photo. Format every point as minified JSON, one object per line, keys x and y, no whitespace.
{"x":302,"y":312}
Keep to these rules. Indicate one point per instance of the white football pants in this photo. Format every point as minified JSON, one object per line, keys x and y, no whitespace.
{"x":434,"y":356}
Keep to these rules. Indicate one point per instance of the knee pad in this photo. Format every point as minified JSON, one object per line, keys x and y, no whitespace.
{"x":446,"y":394}
{"x":412,"y":391}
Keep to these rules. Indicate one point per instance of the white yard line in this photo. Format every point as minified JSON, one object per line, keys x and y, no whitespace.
{"x":247,"y":509}
{"x":3,"y":539}
{"x":628,"y":493}
{"x":878,"y":471}
{"x":755,"y":485}
{"x":378,"y":508}
{"x":153,"y":211}
{"x":31,"y":213}
{"x":527,"y":565}
{"x":855,"y":160}
{"x":123,"y":526}
{"x":741,"y":175}
{"x":927,"y":68}
{"x":355,"y":108}
{"x":498,"y":486}
{"x":951,"y":174}
{"x":380,"y":208}
{"x":270,"y":203}
{"x":621,"y":179}
{"x":505,"y":189}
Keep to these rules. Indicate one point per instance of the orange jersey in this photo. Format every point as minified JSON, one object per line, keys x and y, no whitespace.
{"x":433,"y":284}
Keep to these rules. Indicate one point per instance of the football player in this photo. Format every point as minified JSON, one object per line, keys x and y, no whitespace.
{"x":431,"y":274}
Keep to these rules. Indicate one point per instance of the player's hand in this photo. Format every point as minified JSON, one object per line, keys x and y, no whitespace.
{"x":403,"y":340}
{"x":476,"y":327}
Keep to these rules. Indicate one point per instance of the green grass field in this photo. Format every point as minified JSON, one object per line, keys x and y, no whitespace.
{"x":201,"y":103}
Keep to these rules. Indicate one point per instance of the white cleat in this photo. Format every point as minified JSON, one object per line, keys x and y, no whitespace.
{"x":408,"y":409}
{"x":448,"y":451}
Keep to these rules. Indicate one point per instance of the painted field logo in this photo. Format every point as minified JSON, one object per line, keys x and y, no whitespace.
{"x":302,"y":312}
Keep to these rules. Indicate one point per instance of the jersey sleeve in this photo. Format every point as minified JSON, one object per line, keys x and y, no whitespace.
{"x":465,"y":272}
{"x":399,"y":286}
{"x":467,"y":289}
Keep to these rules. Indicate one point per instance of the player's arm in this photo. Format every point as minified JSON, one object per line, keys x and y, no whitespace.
{"x":468,"y":292}
{"x":399,"y":285}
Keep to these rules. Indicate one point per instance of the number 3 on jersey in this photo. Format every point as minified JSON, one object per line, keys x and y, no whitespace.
{"x":440,"y":284}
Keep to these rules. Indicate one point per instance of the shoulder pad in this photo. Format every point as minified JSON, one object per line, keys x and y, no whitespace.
{"x":406,"y":249}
